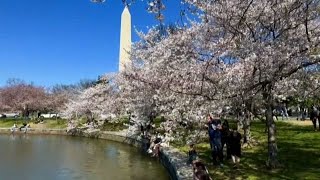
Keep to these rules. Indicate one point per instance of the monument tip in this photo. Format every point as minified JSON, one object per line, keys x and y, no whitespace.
{"x":98,"y":1}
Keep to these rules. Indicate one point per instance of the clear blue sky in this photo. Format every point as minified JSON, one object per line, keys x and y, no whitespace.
{"x":62,"y":41}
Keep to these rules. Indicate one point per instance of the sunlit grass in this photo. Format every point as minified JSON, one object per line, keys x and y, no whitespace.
{"x":56,"y":124}
{"x":6,"y":123}
{"x":47,"y":123}
{"x":299,"y":155}
{"x":113,"y":126}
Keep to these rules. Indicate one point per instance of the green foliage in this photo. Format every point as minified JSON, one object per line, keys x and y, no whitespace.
{"x":7,"y":123}
{"x":307,"y":102}
{"x":55,"y":124}
{"x":158,"y":120}
{"x":116,"y":126}
{"x":82,"y":120}
{"x":124,"y":119}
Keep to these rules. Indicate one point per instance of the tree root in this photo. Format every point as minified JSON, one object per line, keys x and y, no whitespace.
{"x":273,"y":164}
{"x":250,"y":144}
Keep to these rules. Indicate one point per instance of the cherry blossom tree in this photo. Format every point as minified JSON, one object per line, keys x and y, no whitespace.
{"x":96,"y":100}
{"x":240,"y":48}
{"x":237,"y":52}
{"x":23,"y":97}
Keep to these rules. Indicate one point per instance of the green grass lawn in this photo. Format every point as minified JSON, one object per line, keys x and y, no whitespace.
{"x":299,"y":154}
{"x":6,"y":123}
{"x":56,"y":124}
{"x":48,"y":123}
{"x":113,"y":126}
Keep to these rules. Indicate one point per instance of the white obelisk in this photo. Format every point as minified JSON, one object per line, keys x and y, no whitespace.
{"x":125,"y":39}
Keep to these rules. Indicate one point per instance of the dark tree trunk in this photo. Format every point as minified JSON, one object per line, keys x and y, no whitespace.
{"x":272,"y":161}
{"x":246,"y":128}
{"x":247,"y":140}
{"x":240,"y":119}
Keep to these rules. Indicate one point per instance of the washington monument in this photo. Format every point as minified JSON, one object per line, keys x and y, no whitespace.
{"x":125,"y":39}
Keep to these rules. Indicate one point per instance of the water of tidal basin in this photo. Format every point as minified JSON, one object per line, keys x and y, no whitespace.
{"x":35,"y":157}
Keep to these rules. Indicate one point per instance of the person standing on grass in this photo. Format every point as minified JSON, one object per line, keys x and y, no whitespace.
{"x":285,"y":111}
{"x":225,"y":132}
{"x":318,"y":117}
{"x":235,"y":146}
{"x":209,"y":125}
{"x":142,"y":129}
{"x":298,"y":112}
{"x":313,"y":117}
{"x":215,"y":141}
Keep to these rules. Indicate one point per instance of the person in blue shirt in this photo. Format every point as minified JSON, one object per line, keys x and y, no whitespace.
{"x":214,"y":129}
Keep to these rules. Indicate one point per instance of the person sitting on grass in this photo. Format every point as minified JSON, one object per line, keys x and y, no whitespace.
{"x":192,"y":154}
{"x":201,"y":175}
{"x":13,"y":128}
{"x":156,"y":150}
{"x":23,"y":126}
{"x":235,"y":146}
{"x":200,"y":171}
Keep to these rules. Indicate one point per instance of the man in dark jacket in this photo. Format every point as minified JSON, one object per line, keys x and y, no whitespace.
{"x":314,"y":116}
{"x":214,"y":127}
{"x":224,"y":138}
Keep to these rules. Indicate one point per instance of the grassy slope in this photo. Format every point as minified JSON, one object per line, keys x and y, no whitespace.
{"x":299,"y":153}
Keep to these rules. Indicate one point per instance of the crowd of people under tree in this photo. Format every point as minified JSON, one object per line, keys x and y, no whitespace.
{"x":220,"y":137}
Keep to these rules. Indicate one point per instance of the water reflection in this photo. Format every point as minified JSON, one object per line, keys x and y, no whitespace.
{"x":63,"y":158}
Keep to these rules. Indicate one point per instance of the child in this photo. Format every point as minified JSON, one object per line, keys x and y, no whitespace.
{"x":201,"y":175}
{"x":200,"y":171}
{"x":156,"y":150}
{"x":235,"y":146}
{"x":156,"y":147}
{"x":192,"y":154}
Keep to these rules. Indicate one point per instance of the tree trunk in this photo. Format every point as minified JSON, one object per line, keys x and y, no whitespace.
{"x":246,"y":128}
{"x":272,"y":161}
{"x":240,"y":121}
{"x":272,"y":143}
